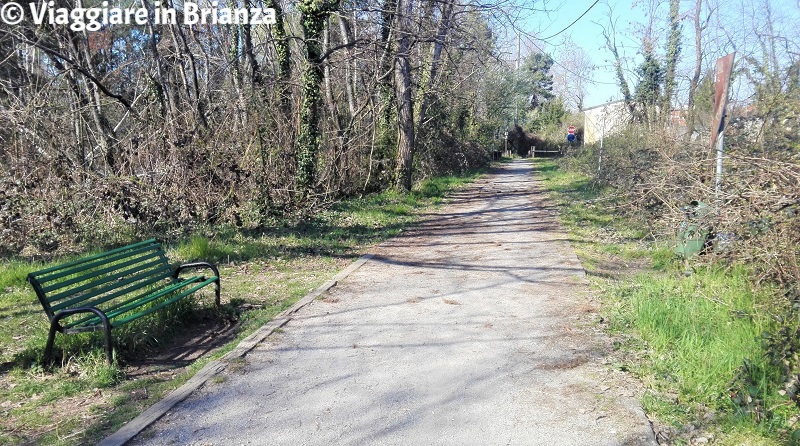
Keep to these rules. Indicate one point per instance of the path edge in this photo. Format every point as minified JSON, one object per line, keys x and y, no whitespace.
{"x":132,"y":428}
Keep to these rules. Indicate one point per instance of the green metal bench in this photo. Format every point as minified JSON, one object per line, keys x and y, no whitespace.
{"x":107,"y":290}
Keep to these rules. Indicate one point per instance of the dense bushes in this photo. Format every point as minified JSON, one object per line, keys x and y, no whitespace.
{"x":755,"y":222}
{"x":131,"y":131}
{"x":758,"y":202}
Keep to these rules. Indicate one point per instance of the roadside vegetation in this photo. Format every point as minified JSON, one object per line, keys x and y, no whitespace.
{"x":701,"y":335}
{"x":713,"y":335}
{"x":82,"y":399}
{"x":279,"y":152}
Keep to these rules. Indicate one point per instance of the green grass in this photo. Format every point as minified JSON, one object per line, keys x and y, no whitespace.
{"x":696,"y":331}
{"x":263,"y":273}
{"x":604,"y":242}
{"x":342,"y":230}
{"x":695,"y":341}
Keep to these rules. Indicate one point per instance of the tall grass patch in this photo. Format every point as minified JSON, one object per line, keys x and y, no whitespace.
{"x":707,"y":346}
{"x":695,"y":332}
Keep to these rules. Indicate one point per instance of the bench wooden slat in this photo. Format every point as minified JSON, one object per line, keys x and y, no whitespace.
{"x":109,"y":271}
{"x":119,"y":288}
{"x":85,"y":269}
{"x":99,"y":302}
{"x":119,"y":308}
{"x":95,"y":288}
{"x":166,"y":302}
{"x":45,"y":271}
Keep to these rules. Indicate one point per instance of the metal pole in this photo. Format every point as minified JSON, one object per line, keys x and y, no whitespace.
{"x":720,"y":155}
{"x":602,"y":134}
{"x":600,"y":157}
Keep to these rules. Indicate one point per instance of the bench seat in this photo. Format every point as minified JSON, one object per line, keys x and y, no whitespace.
{"x":103,"y":291}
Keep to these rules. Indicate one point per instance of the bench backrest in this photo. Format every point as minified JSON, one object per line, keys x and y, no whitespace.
{"x":98,"y":279}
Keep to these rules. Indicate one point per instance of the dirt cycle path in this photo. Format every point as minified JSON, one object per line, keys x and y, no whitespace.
{"x":473,"y":328}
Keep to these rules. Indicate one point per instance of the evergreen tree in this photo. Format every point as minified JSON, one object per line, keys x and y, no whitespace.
{"x":537,"y":70}
{"x":648,"y":91}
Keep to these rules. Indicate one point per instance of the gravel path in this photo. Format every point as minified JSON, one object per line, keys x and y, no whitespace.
{"x":474,"y":328}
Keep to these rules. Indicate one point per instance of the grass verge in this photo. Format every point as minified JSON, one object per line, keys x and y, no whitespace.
{"x":695,"y":342}
{"x":263,"y":272}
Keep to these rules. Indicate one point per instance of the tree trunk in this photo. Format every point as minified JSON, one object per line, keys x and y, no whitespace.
{"x":247,"y":43}
{"x":350,"y":72}
{"x":193,"y":89}
{"x":698,"y":66}
{"x":164,"y":95}
{"x":334,"y":111}
{"x":429,"y":78}
{"x":673,"y":50}
{"x":105,"y":134}
{"x":403,"y":95}
{"x":313,"y":16}
{"x":611,"y":44}
{"x":235,"y":67}
{"x":279,"y":39}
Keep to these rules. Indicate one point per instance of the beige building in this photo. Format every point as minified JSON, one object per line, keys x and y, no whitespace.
{"x":603,"y":120}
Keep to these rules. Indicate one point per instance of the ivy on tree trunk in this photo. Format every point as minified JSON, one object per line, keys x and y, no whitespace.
{"x":313,"y":17}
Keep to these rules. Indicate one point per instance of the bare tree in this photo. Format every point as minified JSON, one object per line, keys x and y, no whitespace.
{"x":700,"y":25}
{"x":610,"y":37}
{"x":672,"y":54}
{"x":261,"y":120}
{"x":403,"y":93}
{"x":572,"y":75}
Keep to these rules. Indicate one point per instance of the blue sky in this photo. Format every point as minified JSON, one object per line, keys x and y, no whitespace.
{"x":588,"y":35}
{"x":555,"y":17}
{"x":731,"y":28}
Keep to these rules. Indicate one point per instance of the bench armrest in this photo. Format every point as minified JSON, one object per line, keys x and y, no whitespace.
{"x":56,"y":326}
{"x":194,"y":265}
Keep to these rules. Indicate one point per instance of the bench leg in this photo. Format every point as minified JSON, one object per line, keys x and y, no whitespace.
{"x":54,"y":327}
{"x":48,"y":348}
{"x":109,"y":345}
